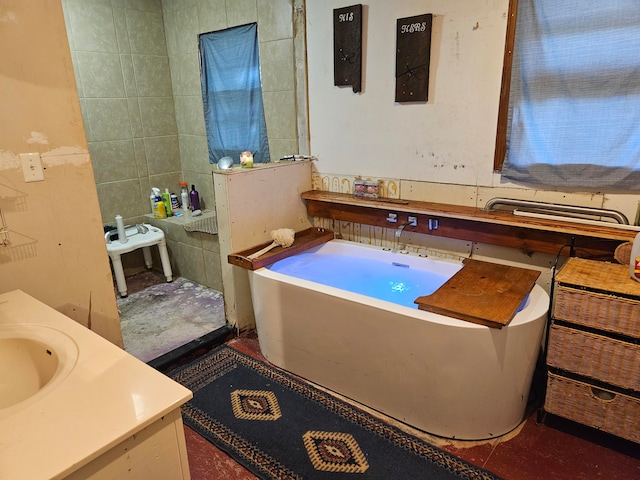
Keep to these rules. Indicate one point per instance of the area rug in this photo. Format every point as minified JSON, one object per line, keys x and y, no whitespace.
{"x":166,"y":316}
{"x":279,"y":427}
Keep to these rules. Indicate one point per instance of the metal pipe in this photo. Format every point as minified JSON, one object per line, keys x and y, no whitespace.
{"x":553,"y":207}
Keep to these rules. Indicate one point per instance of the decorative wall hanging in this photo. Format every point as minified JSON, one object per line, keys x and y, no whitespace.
{"x":413,"y":54}
{"x":347,"y":46}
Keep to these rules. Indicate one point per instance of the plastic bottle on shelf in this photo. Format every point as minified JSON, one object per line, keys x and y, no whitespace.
{"x":194,"y":199}
{"x":166,"y":198}
{"x":184,"y":196}
{"x":175,"y":203}
{"x":158,"y":208}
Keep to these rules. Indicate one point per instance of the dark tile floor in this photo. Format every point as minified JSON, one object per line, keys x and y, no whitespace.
{"x":557,"y":449}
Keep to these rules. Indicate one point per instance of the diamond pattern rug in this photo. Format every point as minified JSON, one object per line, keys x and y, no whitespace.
{"x":281,"y":428}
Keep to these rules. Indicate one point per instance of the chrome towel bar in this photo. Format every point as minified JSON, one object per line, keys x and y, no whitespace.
{"x":567,"y":210}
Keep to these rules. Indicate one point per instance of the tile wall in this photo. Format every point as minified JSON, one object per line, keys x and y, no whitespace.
{"x":138,"y":77}
{"x":124,"y":83}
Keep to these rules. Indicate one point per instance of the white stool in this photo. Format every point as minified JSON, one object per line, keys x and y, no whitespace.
{"x":140,"y":236}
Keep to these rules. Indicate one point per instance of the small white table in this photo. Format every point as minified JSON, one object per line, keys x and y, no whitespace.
{"x":139,"y":236}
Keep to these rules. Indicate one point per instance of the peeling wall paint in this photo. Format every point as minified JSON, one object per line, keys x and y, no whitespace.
{"x":38,"y":137}
{"x":59,"y":156}
{"x":8,"y":17}
{"x":8,"y":160}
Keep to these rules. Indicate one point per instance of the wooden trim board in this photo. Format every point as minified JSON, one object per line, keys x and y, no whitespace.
{"x":482,"y":292}
{"x":472,"y":224}
{"x":304,"y":240}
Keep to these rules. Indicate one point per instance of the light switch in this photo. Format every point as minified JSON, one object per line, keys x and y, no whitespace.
{"x":31,"y":167}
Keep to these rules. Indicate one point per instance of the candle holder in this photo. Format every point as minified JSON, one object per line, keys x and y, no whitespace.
{"x":246,"y":159}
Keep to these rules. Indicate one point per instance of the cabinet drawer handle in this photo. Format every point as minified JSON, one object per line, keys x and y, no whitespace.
{"x":603,"y":394}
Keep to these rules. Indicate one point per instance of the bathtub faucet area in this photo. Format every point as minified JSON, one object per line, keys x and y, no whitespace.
{"x":411,"y":221}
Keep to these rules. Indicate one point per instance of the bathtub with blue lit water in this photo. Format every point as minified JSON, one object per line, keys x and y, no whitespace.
{"x":342,"y":315}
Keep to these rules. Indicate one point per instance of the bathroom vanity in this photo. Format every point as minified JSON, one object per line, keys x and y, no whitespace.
{"x":85,"y":409}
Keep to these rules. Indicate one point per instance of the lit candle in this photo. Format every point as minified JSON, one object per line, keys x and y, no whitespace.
{"x":246,"y":159}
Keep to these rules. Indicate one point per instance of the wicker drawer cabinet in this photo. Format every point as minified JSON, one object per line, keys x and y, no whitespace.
{"x":593,"y":352}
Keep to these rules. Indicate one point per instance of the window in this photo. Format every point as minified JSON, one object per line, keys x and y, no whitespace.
{"x":232,"y":94}
{"x":574,"y":98}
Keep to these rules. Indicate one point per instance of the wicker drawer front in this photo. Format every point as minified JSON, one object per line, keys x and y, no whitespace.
{"x":612,"y":412}
{"x":597,"y":310}
{"x":602,"y":358}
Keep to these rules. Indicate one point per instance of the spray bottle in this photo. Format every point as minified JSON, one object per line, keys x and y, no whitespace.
{"x":184,"y":196}
{"x":159,"y":210}
{"x":634,"y":263}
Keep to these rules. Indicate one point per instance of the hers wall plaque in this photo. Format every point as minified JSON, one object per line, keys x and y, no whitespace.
{"x":413,"y":54}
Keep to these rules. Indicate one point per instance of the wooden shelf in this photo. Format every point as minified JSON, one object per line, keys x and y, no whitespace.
{"x":471,"y":224}
{"x":304,"y":240}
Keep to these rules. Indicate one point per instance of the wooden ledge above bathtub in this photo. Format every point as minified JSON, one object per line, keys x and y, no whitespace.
{"x":470,"y":224}
{"x":304,"y":240}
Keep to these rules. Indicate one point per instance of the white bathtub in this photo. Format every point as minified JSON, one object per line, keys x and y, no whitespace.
{"x":444,"y":376}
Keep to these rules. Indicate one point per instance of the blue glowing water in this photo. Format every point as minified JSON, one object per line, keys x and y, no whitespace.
{"x":395,"y":283}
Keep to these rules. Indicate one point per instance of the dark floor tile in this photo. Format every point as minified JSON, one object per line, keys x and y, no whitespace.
{"x":249,"y":345}
{"x":207,"y":462}
{"x":561,"y":450}
{"x":476,"y":455}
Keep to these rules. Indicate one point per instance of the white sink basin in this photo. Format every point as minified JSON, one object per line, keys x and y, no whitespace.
{"x":33,"y":359}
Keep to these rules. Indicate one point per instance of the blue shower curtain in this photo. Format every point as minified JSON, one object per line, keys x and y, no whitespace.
{"x":232,"y":94}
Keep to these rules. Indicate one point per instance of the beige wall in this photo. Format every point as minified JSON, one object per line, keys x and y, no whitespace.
{"x":57,"y":252}
{"x":448,"y":139}
{"x":252,"y":203}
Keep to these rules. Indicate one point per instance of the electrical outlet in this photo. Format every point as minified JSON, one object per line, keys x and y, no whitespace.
{"x":31,"y":167}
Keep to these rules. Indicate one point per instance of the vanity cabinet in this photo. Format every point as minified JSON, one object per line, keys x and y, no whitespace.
{"x":106,"y":415}
{"x":593,"y":350}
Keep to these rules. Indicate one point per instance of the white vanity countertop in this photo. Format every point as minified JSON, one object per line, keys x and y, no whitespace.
{"x":107,"y":397}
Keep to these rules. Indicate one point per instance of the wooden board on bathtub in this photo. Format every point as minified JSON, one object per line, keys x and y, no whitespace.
{"x":482,"y":292}
{"x":303,"y":240}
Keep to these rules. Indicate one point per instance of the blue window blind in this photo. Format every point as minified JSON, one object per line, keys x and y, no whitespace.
{"x":574,"y":118}
{"x":232,"y":94}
